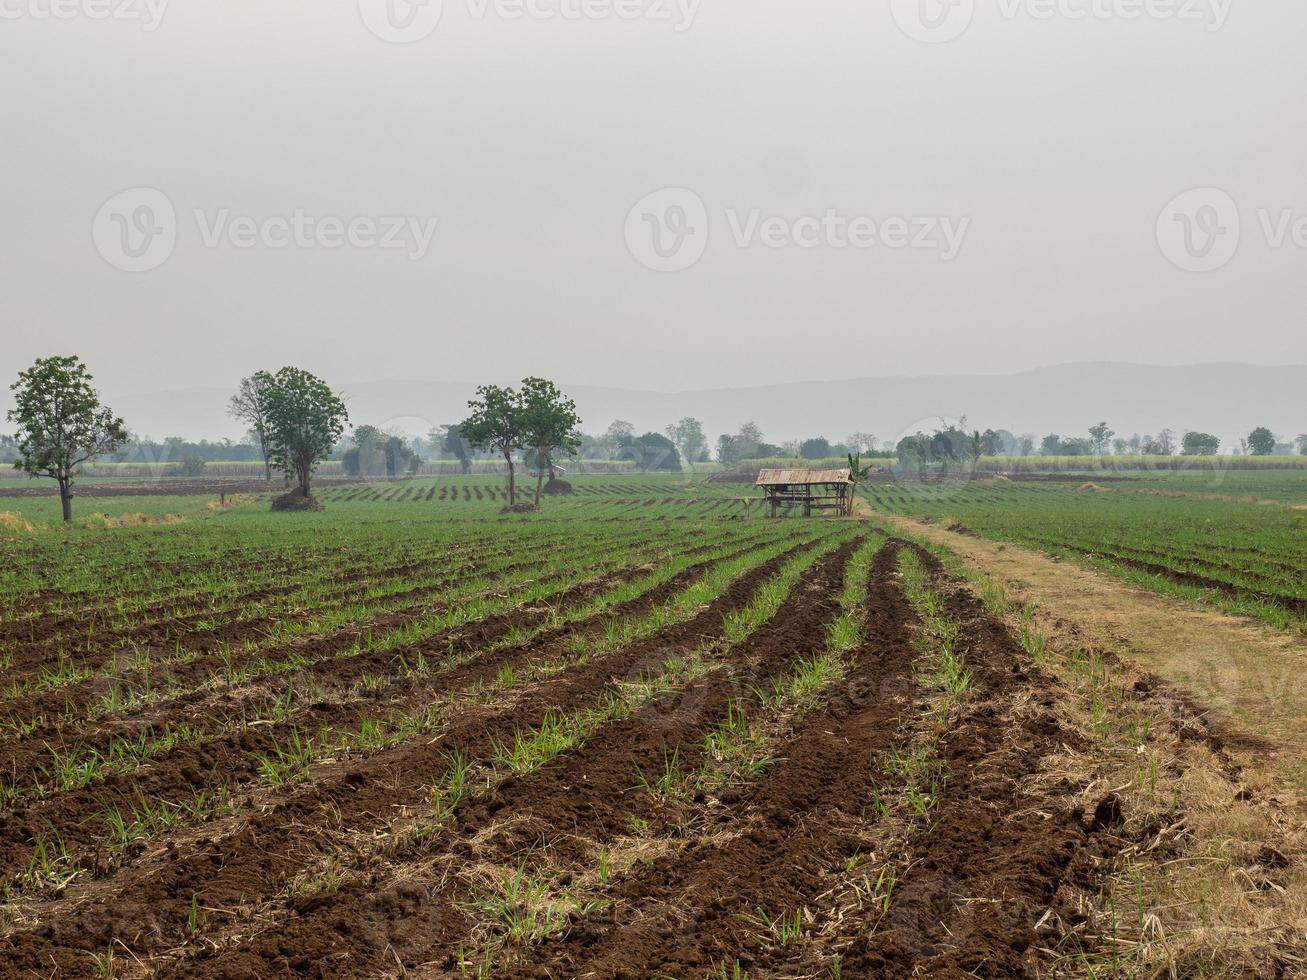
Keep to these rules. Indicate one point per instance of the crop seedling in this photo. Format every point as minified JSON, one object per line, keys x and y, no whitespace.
{"x":105,"y":967}
{"x":670,"y":784}
{"x":287,"y":761}
{"x":530,"y":749}
{"x":527,"y":909}
{"x":783,"y":931}
{"x":738,"y":746}
{"x":452,"y":787}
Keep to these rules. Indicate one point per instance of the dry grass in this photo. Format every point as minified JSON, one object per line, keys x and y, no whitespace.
{"x":133,"y":519}
{"x":11,"y":523}
{"x":1247,"y":676}
{"x":1211,"y":877}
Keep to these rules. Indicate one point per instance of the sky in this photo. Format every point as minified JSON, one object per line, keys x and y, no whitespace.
{"x":655,"y":194}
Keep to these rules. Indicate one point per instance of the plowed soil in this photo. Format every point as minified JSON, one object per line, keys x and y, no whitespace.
{"x":807,"y":860}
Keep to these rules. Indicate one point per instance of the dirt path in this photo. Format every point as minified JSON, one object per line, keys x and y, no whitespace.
{"x":1249,"y":675}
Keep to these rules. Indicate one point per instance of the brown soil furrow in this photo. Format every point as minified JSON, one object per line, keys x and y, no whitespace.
{"x":191,"y":680}
{"x":168,"y":631}
{"x":196,"y":596}
{"x":772,"y":841}
{"x":191,"y":676}
{"x":231,"y":760}
{"x":416,"y":913}
{"x":1000,"y":844}
{"x":148,"y":904}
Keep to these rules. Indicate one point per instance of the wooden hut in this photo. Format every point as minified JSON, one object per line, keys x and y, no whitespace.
{"x":814,"y":489}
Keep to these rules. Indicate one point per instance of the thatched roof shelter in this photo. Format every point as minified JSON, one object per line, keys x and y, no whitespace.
{"x":814,"y":489}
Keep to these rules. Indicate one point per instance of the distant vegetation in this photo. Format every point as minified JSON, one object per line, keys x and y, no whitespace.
{"x":294,"y":423}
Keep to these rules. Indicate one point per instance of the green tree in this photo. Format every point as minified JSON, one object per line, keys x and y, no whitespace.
{"x":399,"y":457}
{"x":1301,"y":444}
{"x":1261,"y":441}
{"x":818,"y":448}
{"x":614,"y":436}
{"x":749,"y":442}
{"x":549,"y":425}
{"x":453,"y":444}
{"x":249,"y":405}
{"x":305,"y":421}
{"x":652,"y":453}
{"x":1100,"y":437}
{"x":495,"y":425}
{"x":1200,"y":444}
{"x":61,"y":423}
{"x":728,"y":449}
{"x":688,"y":437}
{"x":368,"y":457}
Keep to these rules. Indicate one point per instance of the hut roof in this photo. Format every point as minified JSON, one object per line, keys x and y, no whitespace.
{"x":801,"y":478}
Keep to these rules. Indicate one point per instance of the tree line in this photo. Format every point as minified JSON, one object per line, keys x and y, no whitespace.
{"x":295,"y":421}
{"x":952,"y":442}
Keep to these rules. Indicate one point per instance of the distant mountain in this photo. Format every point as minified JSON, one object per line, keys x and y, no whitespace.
{"x":1228,"y":400}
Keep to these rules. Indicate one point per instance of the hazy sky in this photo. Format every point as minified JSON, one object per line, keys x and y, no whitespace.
{"x":852,"y":193}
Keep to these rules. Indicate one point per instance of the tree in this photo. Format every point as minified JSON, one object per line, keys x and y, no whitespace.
{"x":862,"y":442}
{"x":942,"y":447}
{"x":399,"y":457}
{"x":61,"y":423}
{"x":818,"y":448}
{"x":1051,"y":445}
{"x":749,"y":441}
{"x":190,"y":466}
{"x":687,"y":435}
{"x":495,"y":425}
{"x":1163,"y":445}
{"x":1301,"y":444}
{"x":728,"y":450}
{"x":549,"y":425}
{"x":913,"y":450}
{"x":1200,"y":444}
{"x":453,"y":444}
{"x":249,"y":405}
{"x":652,"y":452}
{"x":611,"y":441}
{"x":1100,"y":437}
{"x":1261,"y":441}
{"x":367,"y":458}
{"x":305,"y":421}
{"x":998,"y":442}
{"x":1077,"y":447}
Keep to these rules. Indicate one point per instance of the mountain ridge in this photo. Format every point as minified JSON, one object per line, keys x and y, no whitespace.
{"x":1227,"y":399}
